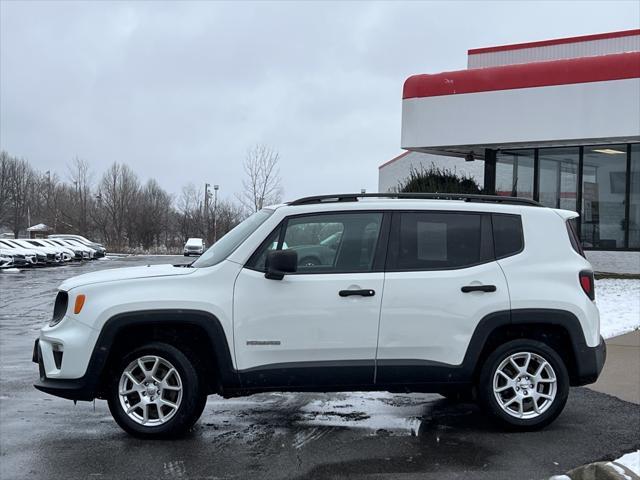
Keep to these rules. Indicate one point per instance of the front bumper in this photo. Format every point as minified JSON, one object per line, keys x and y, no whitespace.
{"x":72,"y":389}
{"x":589,"y":363}
{"x":65,"y":357}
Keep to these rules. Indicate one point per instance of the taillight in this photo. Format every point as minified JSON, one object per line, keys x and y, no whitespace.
{"x":587,"y":283}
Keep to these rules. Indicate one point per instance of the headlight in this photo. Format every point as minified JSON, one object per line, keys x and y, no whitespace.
{"x":60,"y":308}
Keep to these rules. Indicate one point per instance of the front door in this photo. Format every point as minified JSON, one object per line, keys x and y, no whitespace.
{"x":318,"y":326}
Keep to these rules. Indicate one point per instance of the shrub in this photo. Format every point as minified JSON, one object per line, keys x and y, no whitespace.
{"x":438,"y":180}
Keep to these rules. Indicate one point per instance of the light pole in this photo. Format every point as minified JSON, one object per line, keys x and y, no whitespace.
{"x":215,"y":212}
{"x":206,"y":211}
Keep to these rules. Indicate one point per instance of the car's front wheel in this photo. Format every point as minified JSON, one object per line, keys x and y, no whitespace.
{"x":155,"y":392}
{"x":524,"y":384}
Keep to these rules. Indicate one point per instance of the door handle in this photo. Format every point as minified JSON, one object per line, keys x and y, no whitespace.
{"x":478,"y":288}
{"x":362,"y":293}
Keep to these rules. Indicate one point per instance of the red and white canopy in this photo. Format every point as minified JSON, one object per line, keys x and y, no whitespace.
{"x":594,"y":98}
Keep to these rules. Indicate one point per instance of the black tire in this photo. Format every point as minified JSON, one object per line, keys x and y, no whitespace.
{"x":186,"y":254}
{"x":489,"y":401}
{"x":189,"y":409}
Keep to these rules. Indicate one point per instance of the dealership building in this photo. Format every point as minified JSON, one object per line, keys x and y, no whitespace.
{"x":557,"y":121}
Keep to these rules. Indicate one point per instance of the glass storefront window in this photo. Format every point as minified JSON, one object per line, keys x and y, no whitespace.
{"x":514,"y":173}
{"x":634,"y":198}
{"x":603,"y":196}
{"x":559,"y":177}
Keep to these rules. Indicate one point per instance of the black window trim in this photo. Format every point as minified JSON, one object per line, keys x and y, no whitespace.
{"x":379,"y":257}
{"x":487,"y":254}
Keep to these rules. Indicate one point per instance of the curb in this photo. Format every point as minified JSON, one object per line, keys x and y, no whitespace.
{"x":598,"y":471}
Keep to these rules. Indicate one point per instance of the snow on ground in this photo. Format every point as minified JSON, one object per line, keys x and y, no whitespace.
{"x":631,"y":461}
{"x":311,"y":416}
{"x":373,"y":411}
{"x":619,"y":303}
{"x":10,"y":270}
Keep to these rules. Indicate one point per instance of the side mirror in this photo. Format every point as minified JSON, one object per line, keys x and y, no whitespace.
{"x":281,"y":262}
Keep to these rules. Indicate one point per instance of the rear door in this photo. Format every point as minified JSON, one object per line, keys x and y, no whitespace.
{"x":441,"y":280}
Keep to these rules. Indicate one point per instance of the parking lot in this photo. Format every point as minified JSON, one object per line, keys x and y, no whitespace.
{"x":277,"y":435}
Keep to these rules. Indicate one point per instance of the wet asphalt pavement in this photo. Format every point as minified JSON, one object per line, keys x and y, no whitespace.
{"x":377,"y":435}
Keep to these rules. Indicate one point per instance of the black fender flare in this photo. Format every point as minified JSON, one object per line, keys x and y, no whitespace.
{"x":209,"y":323}
{"x":584,"y":356}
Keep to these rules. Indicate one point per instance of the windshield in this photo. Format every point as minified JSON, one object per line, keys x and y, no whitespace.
{"x":227,"y":244}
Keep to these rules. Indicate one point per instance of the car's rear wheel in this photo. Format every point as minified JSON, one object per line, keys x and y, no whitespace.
{"x":524,"y":384}
{"x":155,"y":392}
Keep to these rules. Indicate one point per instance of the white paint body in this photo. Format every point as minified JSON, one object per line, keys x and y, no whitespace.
{"x":413,"y":315}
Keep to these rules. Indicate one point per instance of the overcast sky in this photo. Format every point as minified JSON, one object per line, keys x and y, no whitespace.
{"x":180,"y":91}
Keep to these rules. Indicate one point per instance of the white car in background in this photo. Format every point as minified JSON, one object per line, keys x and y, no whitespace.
{"x":34,"y":257}
{"x":77,"y":243}
{"x":82,"y":252}
{"x":10,"y":259}
{"x":53,"y":255}
{"x":194,"y":246}
{"x":66,"y":249}
{"x":100,"y":250}
{"x":66,"y":255}
{"x":6,"y":260}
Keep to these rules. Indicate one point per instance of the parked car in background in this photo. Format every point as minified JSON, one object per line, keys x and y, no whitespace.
{"x":71,"y":253}
{"x":53,"y":256}
{"x":93,"y":253}
{"x":66,"y":255}
{"x":10,"y":259}
{"x":100,"y":249}
{"x":194,"y":246}
{"x":6,"y":259}
{"x":34,"y":257}
{"x":82,"y":252}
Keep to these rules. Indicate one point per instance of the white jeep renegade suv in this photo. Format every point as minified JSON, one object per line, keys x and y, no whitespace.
{"x":468,"y":296}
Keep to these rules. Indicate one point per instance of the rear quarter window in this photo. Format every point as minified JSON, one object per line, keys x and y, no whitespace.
{"x":508,"y":239}
{"x":573,"y":236}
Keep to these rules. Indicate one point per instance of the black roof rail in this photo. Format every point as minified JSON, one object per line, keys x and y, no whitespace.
{"x":354,"y":197}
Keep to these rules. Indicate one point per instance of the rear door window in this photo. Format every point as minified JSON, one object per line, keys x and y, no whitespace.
{"x":438,"y":240}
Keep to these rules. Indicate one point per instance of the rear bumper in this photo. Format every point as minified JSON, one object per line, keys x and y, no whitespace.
{"x":589,"y":363}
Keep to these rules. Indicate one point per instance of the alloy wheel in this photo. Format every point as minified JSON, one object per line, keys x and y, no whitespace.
{"x":525,"y":385}
{"x":150,"y":390}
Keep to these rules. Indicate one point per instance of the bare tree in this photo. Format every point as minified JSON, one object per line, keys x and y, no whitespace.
{"x":262,"y":185}
{"x":190,"y":210}
{"x":152,"y":214}
{"x":80,"y":176}
{"x":5,"y":161}
{"x":119,"y":211}
{"x":20,"y":190}
{"x":119,"y":187}
{"x":229,"y":215}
